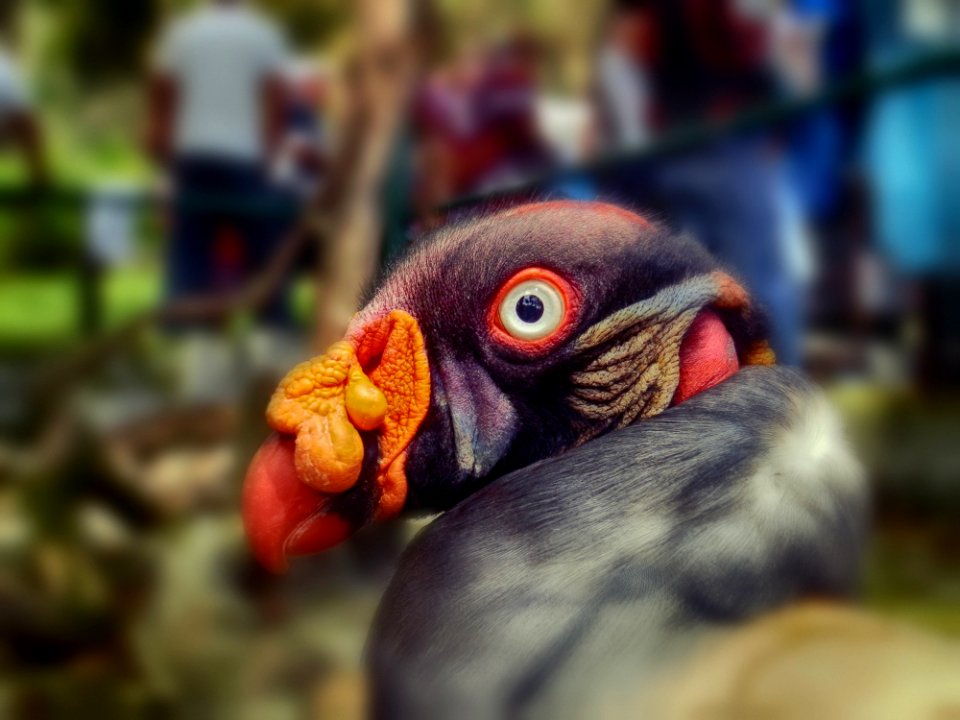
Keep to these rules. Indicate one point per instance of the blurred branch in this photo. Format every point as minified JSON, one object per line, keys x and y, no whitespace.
{"x":380,"y":83}
{"x":254,"y":295}
{"x":54,"y":384}
{"x":45,"y":453}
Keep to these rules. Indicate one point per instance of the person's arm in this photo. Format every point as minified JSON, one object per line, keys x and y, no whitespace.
{"x":274,"y":58}
{"x":161,"y":116}
{"x":163,"y":93}
{"x":26,"y":135}
{"x":274,"y":113}
{"x":21,"y":128}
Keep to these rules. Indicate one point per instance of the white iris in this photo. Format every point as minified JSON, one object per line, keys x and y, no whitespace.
{"x":553,"y":310}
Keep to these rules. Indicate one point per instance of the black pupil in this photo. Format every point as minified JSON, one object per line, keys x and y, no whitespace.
{"x":529,"y":308}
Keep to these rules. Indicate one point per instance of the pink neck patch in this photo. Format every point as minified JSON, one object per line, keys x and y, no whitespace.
{"x":708,"y":356}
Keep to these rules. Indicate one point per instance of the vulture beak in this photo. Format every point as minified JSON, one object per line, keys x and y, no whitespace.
{"x":343,"y":424}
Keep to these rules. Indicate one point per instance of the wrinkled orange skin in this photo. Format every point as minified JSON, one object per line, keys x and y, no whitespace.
{"x":378,"y":379}
{"x":323,"y":402}
{"x":402,"y":372}
{"x":326,"y":401}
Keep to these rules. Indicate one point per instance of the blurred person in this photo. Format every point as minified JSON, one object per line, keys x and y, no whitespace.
{"x":303,"y":154}
{"x":799,"y":34}
{"x":508,"y":146}
{"x":816,"y":41}
{"x":621,"y":94}
{"x":443,"y":127}
{"x":217,"y":111}
{"x":621,"y":85}
{"x":912,"y":152}
{"x":20,"y":127}
{"x":706,"y":61}
{"x":475,"y":125}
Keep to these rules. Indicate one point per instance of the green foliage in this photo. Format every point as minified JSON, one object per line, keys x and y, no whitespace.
{"x":40,"y":309}
{"x":40,"y":238}
{"x":101,"y":41}
{"x":309,"y":23}
{"x":37,"y":309}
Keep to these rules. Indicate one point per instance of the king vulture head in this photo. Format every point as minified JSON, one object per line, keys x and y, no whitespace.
{"x":494,"y":344}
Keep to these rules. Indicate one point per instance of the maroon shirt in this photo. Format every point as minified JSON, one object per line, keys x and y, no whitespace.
{"x":707,"y":60}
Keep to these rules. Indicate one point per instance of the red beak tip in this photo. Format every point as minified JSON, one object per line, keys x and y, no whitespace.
{"x":282,"y":516}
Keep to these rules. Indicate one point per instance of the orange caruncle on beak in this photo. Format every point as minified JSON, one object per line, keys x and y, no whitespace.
{"x":324,"y":402}
{"x":375,"y":380}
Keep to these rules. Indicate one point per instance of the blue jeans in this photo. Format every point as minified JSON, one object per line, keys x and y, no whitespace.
{"x":227,"y":222}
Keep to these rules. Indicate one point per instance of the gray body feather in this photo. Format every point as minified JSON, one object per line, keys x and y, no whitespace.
{"x":566,"y":587}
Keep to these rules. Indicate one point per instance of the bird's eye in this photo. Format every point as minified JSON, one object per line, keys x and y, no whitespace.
{"x":533,"y":309}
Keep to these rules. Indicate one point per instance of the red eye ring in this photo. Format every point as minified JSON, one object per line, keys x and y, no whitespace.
{"x":558,"y":301}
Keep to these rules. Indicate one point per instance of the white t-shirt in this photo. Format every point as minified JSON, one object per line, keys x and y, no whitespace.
{"x":220,"y":57}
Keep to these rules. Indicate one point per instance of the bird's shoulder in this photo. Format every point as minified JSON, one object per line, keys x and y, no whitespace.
{"x":739,"y":500}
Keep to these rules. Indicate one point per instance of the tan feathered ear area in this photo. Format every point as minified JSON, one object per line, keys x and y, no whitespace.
{"x":629,"y":361}
{"x":743,"y":320}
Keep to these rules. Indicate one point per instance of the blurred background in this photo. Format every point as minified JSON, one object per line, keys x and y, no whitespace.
{"x":193,"y":195}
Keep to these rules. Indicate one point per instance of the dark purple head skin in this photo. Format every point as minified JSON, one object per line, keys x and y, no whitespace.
{"x":587,"y":564}
{"x":492,"y":409}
